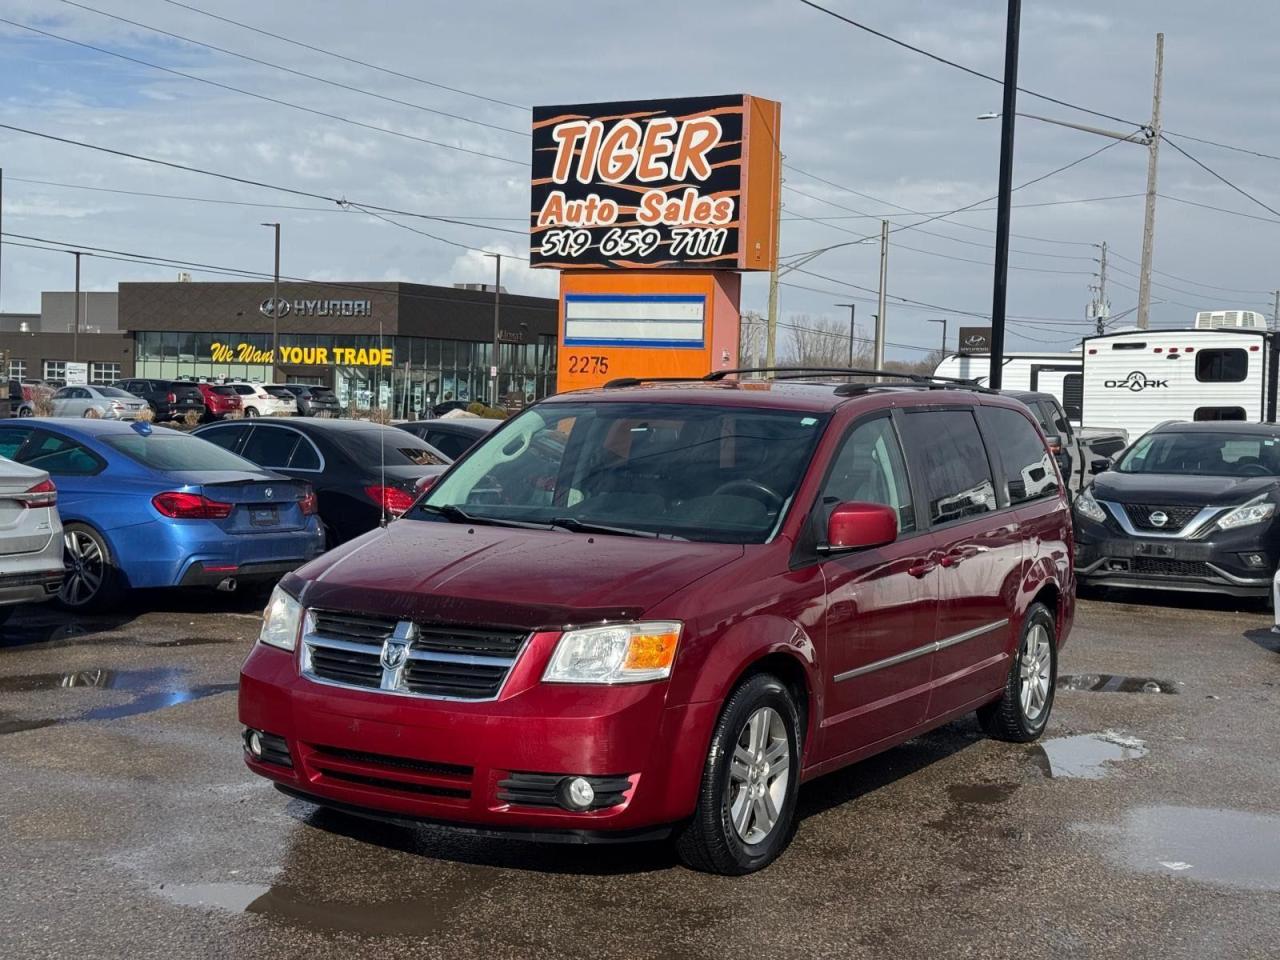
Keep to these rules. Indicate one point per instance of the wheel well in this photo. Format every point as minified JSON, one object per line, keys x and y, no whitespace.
{"x":792,"y":674}
{"x":1049,"y":596}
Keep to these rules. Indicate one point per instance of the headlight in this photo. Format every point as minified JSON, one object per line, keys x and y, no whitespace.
{"x":281,"y":621}
{"x":1255,"y":511}
{"x":1089,"y":508}
{"x":625,"y":653}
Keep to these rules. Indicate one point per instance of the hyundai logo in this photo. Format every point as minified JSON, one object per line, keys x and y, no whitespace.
{"x":269,"y":307}
{"x":1158,"y":518}
{"x":1136,"y":382}
{"x":394,"y":653}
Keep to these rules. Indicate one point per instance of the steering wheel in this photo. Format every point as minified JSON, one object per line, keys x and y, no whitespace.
{"x":751,"y":488}
{"x":1252,"y":470}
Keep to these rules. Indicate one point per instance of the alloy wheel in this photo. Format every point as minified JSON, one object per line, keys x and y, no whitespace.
{"x":1036,"y":665}
{"x":759,"y":773}
{"x":85,"y":568}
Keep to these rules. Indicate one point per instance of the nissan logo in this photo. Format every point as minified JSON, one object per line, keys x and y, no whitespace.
{"x":1158,"y":518}
{"x":275,"y":308}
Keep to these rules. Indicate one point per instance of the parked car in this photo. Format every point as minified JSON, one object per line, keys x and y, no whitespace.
{"x":363,"y":473}
{"x":1190,"y":506}
{"x":168,"y":399}
{"x":257,"y":401}
{"x":219,"y":400}
{"x":147,"y":506}
{"x":1075,"y":448}
{"x":21,"y":399}
{"x":30,"y":537}
{"x":107,"y":403}
{"x":448,"y":406}
{"x":313,"y":401}
{"x":286,"y":404}
{"x":452,"y":437}
{"x":707,"y":595}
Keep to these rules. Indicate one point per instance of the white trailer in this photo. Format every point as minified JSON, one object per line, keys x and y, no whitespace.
{"x":1139,"y":378}
{"x":1055,"y":373}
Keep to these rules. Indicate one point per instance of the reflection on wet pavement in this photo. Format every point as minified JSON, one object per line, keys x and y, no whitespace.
{"x":1086,"y":757}
{"x":1231,"y":847}
{"x":1109,"y":683}
{"x":982,"y":793}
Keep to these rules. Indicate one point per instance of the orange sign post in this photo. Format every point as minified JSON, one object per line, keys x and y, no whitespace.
{"x":649,"y":209}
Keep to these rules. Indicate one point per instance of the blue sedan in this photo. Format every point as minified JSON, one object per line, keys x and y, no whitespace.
{"x":154,"y":507}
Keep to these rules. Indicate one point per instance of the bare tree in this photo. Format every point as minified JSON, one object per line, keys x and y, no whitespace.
{"x":817,"y":341}
{"x":752,"y":337}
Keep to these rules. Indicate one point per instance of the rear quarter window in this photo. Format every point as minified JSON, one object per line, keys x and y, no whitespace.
{"x":1025,"y":465}
{"x":946,"y":450}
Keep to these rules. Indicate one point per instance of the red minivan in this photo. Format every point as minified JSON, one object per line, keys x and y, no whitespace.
{"x":656,"y":609}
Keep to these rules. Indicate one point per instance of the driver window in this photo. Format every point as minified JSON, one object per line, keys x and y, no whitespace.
{"x":869,"y":468}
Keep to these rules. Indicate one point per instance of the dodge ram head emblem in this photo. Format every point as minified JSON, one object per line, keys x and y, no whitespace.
{"x":394,"y":653}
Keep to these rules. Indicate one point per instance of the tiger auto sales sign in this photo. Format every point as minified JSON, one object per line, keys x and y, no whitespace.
{"x":690,"y":182}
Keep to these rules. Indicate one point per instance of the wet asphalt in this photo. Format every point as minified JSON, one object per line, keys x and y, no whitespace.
{"x":1145,"y":824}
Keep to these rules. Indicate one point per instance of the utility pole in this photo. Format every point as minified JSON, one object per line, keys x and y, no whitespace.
{"x":2,"y":227}
{"x":1275,"y":314}
{"x":771,"y":323}
{"x":884,"y":275}
{"x":1149,"y":223}
{"x":853,"y":330}
{"x":275,"y":311}
{"x":497,"y":313}
{"x":1000,"y":285}
{"x":1100,"y":308}
{"x":75,"y":329}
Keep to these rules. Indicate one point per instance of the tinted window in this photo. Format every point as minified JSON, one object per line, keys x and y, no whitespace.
{"x":1027,"y":466}
{"x":1222,"y":366}
{"x":244,"y":390}
{"x":450,"y":444}
{"x":305,"y":456}
{"x":225,"y":437}
{"x":113,"y":392}
{"x":270,"y":446}
{"x":1073,"y":395}
{"x":869,"y":468}
{"x":11,"y":439}
{"x":168,"y":450}
{"x":61,"y":456}
{"x":1219,"y":413}
{"x":947,"y":450}
{"x":1052,"y":421}
{"x":223,"y":391}
{"x":1204,"y":453}
{"x":388,"y":445}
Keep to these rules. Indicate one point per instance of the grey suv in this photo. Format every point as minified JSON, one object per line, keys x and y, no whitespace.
{"x":30,"y":537}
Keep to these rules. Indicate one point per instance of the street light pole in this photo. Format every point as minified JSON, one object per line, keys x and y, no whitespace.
{"x":884,"y":276}
{"x":943,"y":321}
{"x":853,"y":312}
{"x":275,"y":310}
{"x":497,"y":314}
{"x":1000,"y":285}
{"x":75,"y":329}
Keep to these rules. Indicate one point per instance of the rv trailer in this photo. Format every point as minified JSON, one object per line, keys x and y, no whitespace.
{"x":1055,"y":373}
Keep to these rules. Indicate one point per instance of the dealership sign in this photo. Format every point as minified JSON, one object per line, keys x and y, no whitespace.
{"x":689,"y":182}
{"x":304,"y":356}
{"x":975,"y":340}
{"x":315,"y":308}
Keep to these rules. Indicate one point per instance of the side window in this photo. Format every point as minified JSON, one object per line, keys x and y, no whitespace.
{"x":450,"y":444}
{"x":1218,"y":413}
{"x":946,"y":448}
{"x":11,"y":440}
{"x":1073,"y":395}
{"x":66,"y":393}
{"x":224,"y":437}
{"x":1222,"y":366}
{"x":270,"y":446}
{"x":1027,"y":466}
{"x":1052,"y":422}
{"x":869,"y":467}
{"x":61,"y":456}
{"x":305,"y":456}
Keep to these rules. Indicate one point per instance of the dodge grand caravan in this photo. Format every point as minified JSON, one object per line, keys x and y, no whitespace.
{"x":657,"y":609}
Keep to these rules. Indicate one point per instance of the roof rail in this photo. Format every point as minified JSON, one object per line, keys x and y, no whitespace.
{"x":799,"y":373}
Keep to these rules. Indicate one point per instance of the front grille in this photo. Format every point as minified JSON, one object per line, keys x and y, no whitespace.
{"x":439,"y":661}
{"x":1178,"y":516}
{"x":399,"y":774}
{"x":542,"y":789}
{"x":1171,"y":568}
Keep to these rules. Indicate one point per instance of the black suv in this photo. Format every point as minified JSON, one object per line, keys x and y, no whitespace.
{"x":1190,"y":506}
{"x":169,"y":399}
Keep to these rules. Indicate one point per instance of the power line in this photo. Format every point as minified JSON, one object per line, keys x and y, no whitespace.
{"x":331,"y":53}
{"x":1016,"y":206}
{"x":1214,"y":173}
{"x":1209,"y":206}
{"x":432,"y":236}
{"x":264,"y":97}
{"x":1224,"y":146}
{"x":1198,"y":283}
{"x":959,"y":66}
{"x":297,"y":73}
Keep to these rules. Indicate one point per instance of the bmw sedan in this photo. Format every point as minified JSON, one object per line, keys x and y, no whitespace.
{"x":147,"y":506}
{"x":1189,"y":506}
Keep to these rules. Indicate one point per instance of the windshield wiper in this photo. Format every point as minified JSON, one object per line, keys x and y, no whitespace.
{"x":455,"y":514}
{"x":574,"y":525}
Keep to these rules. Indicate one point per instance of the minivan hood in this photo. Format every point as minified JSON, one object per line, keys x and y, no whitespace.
{"x":1170,"y":489}
{"x":502,"y":576}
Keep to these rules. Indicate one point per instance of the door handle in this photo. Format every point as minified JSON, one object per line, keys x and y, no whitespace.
{"x":956,"y":557}
{"x":921,"y":568}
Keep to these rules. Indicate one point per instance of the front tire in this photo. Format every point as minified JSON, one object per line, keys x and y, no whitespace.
{"x":88,"y":583}
{"x":1022,"y":712}
{"x":250,"y":411}
{"x":746,"y":805}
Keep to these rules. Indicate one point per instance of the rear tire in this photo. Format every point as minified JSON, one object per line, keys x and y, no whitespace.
{"x":250,"y":411}
{"x":746,"y":805}
{"x":90,"y":582}
{"x":1022,"y":712}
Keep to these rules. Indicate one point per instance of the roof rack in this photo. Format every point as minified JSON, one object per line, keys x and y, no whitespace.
{"x":801,"y":373}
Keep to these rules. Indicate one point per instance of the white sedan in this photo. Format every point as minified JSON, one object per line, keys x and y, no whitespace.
{"x":109,"y":403}
{"x":31,"y":566}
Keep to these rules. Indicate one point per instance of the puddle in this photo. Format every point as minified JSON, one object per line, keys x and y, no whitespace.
{"x":1088,"y":756}
{"x":17,"y":725}
{"x":191,"y":641}
{"x":1110,"y":683}
{"x":106,"y":679}
{"x":1230,"y":847}
{"x":397,"y":918}
{"x":981,"y":793}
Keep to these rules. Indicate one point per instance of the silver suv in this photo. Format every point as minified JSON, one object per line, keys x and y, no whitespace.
{"x":30,"y":537}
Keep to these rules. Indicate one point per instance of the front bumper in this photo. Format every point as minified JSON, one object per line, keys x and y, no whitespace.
{"x":415,"y":758}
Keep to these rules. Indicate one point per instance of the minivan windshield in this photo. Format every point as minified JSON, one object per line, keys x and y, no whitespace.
{"x":689,"y":471}
{"x":1205,"y":454}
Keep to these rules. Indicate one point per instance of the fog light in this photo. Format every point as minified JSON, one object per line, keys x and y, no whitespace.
{"x":1254,"y":560}
{"x":255,"y":744}
{"x":576,"y":793}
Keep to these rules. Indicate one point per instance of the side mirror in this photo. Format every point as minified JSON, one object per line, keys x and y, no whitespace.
{"x":1055,"y":443}
{"x":1101,"y":465}
{"x":856,"y":526}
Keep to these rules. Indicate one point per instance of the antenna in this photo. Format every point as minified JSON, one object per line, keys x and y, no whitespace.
{"x":382,"y":448}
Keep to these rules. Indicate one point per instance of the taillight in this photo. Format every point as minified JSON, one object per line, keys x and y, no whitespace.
{"x":393,"y":500}
{"x":190,"y":506}
{"x":308,"y":504}
{"x":171,"y":398}
{"x":43,"y":494}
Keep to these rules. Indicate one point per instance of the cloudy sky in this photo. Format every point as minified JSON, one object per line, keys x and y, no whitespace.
{"x":891,"y":131}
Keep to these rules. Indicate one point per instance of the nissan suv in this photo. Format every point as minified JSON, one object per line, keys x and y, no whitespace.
{"x":656,"y":609}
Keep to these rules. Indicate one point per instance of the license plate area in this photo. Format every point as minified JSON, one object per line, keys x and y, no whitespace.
{"x":1165,"y":551}
{"x":264,"y":516}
